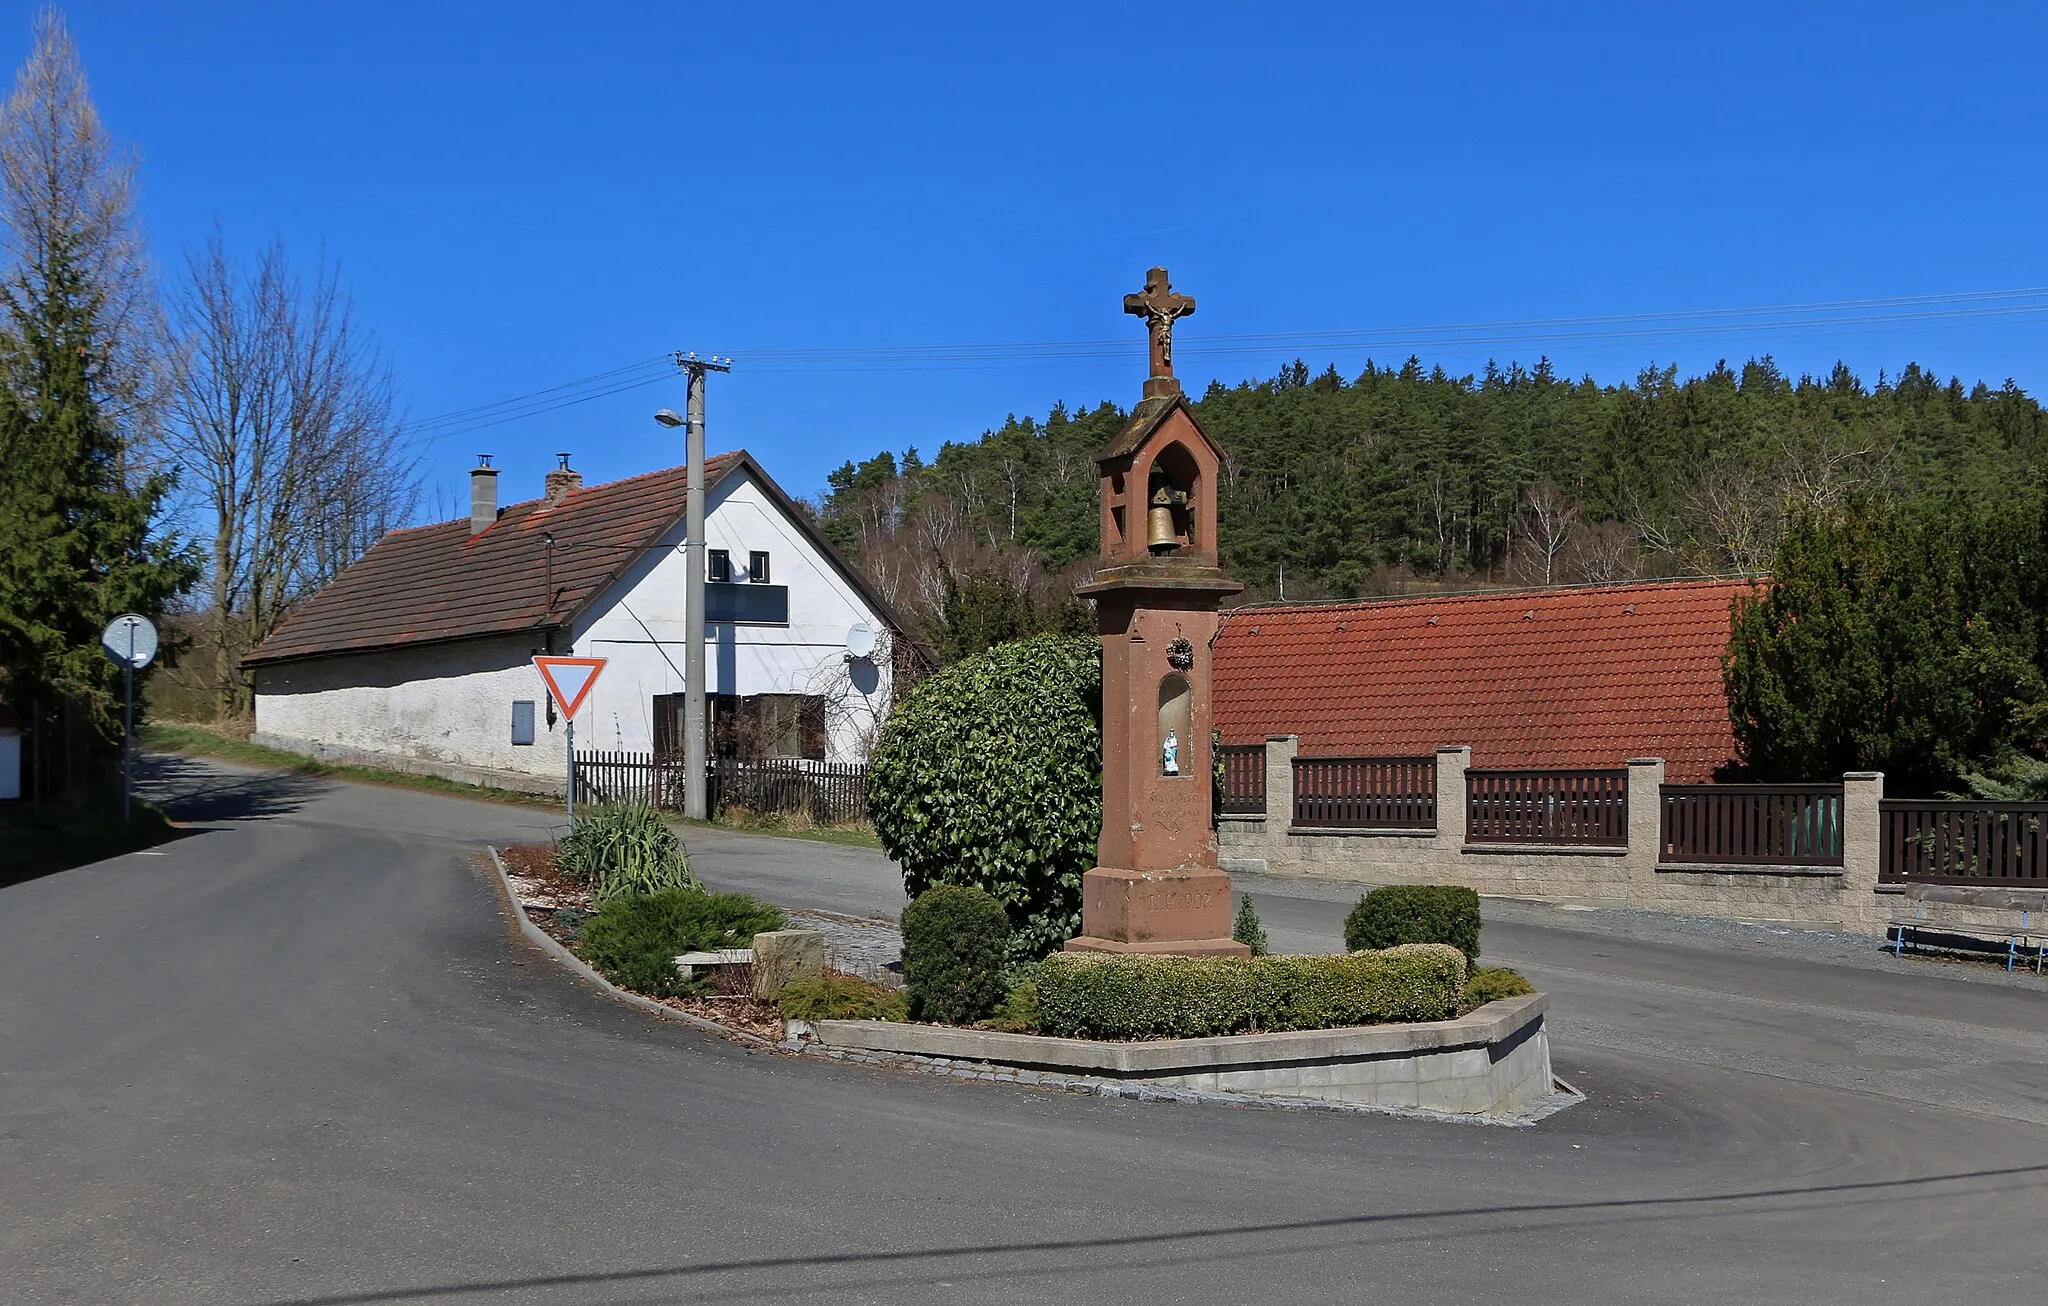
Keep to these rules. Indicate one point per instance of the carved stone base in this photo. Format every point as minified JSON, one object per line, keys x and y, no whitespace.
{"x":1181,"y":912}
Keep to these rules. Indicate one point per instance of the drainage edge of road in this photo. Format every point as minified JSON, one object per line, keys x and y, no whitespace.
{"x":1563,"y":1095}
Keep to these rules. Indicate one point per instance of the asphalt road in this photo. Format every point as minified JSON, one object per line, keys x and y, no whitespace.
{"x":300,"y":1057}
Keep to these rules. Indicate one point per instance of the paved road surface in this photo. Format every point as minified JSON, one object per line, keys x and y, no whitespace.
{"x":299,"y":1057}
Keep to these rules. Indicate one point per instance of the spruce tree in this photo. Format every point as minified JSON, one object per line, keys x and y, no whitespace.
{"x":76,"y":544}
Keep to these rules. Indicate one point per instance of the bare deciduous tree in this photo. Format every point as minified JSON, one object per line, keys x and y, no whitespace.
{"x":67,"y":214}
{"x":1548,"y":521}
{"x":282,"y":413}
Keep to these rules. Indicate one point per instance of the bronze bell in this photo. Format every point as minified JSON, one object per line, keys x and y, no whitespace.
{"x":1160,"y":535}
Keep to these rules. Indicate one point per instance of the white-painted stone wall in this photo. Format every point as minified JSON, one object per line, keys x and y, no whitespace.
{"x":448,"y":706}
{"x":441,"y":703}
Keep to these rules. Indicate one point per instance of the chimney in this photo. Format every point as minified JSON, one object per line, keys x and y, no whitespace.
{"x":562,"y":480}
{"x":483,"y":495}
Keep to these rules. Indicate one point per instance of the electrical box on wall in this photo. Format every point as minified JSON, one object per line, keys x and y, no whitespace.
{"x":522,"y":721}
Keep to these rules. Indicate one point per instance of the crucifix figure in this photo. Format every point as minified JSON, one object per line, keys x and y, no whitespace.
{"x":1159,"y":306}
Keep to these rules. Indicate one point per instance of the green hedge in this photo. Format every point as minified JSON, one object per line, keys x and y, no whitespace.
{"x":1415,"y":913}
{"x":989,"y":774}
{"x":1101,"y":995}
{"x":634,"y":938}
{"x":955,"y":940}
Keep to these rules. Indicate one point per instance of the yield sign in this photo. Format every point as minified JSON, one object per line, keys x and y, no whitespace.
{"x":569,"y":680}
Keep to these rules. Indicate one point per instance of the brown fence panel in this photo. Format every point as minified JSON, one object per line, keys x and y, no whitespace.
{"x":1244,"y":779}
{"x":829,"y":792}
{"x":1582,"y":807}
{"x":1753,"y":825}
{"x":1940,"y":842}
{"x":1372,"y":793}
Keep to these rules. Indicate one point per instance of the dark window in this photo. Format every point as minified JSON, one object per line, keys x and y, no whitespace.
{"x":757,"y":567}
{"x":522,"y":721}
{"x":764,"y":605}
{"x":721,"y":566}
{"x":768,"y":725}
{"x":668,"y":724}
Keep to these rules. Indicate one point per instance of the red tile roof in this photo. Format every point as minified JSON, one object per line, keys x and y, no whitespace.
{"x":439,"y":582}
{"x":1546,"y":678}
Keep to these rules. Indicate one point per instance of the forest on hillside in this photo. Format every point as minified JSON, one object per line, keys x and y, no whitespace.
{"x":1405,"y":479}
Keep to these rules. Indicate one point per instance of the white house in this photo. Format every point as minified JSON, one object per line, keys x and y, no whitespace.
{"x":419,"y":657}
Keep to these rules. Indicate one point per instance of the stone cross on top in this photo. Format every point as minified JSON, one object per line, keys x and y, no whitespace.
{"x":1159,"y":306}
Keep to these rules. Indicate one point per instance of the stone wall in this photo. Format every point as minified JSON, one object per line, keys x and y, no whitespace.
{"x":1492,"y":1063}
{"x":1633,"y":875}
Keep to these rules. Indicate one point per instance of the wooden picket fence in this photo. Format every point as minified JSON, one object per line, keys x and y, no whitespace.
{"x":828,"y":792}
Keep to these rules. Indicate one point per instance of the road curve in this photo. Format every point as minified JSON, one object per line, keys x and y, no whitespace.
{"x":299,"y":1057}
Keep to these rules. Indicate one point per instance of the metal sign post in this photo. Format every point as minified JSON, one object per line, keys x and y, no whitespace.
{"x":129,"y":642}
{"x":569,"y":681}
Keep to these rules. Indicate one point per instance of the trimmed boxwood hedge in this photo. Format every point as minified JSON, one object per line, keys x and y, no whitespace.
{"x":1113,"y":996}
{"x":954,"y":943}
{"x":1415,"y":913}
{"x":989,"y":774}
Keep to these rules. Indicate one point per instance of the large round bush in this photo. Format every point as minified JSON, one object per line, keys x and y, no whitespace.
{"x":989,"y":774}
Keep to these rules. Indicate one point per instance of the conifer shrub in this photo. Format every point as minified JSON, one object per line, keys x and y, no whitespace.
{"x":1491,"y":983}
{"x":1111,"y":996}
{"x":989,"y":774}
{"x":1247,"y":930}
{"x":955,"y":941}
{"x":633,"y":939}
{"x":840,"y":997}
{"x":1415,"y":913}
{"x":624,"y":848}
{"x":1017,"y":1013}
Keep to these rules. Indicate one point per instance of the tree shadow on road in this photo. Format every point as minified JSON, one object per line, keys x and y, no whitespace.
{"x":190,"y":791}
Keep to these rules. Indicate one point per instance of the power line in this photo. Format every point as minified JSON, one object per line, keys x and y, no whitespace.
{"x":1822,"y":317}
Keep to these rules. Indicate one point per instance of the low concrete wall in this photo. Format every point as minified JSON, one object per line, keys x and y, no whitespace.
{"x":1493,"y":1062}
{"x":483,"y":777}
{"x":1630,"y":875}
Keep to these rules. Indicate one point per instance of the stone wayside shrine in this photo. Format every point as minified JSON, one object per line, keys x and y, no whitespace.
{"x":1157,"y":887}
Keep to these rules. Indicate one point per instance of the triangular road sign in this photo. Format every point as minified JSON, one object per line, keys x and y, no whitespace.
{"x":568,"y":680}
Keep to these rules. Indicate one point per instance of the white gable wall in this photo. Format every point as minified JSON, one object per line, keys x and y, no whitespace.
{"x":639,"y":628}
{"x":448,"y":706}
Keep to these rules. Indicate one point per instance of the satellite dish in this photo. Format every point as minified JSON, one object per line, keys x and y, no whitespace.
{"x":860,"y":642}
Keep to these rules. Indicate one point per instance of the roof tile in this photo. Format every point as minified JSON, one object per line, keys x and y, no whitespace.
{"x":1551,"y":678}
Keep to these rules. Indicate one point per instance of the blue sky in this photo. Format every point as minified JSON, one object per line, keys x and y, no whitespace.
{"x":520,"y":195}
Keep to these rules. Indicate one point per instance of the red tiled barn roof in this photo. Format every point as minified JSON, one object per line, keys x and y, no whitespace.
{"x":1547,"y":678}
{"x":438,"y":582}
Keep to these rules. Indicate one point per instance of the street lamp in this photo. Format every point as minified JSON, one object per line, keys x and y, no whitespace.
{"x":669,"y":417}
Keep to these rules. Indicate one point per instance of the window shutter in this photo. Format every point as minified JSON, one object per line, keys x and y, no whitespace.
{"x":814,"y":728}
{"x":665,"y":724}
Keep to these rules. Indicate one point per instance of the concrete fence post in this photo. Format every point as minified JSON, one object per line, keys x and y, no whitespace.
{"x":1452,"y":761}
{"x":1280,"y":751}
{"x":1863,"y":912}
{"x":1645,"y":831}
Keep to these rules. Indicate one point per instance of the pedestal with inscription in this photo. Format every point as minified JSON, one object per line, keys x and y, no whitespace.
{"x":1156,"y":887}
